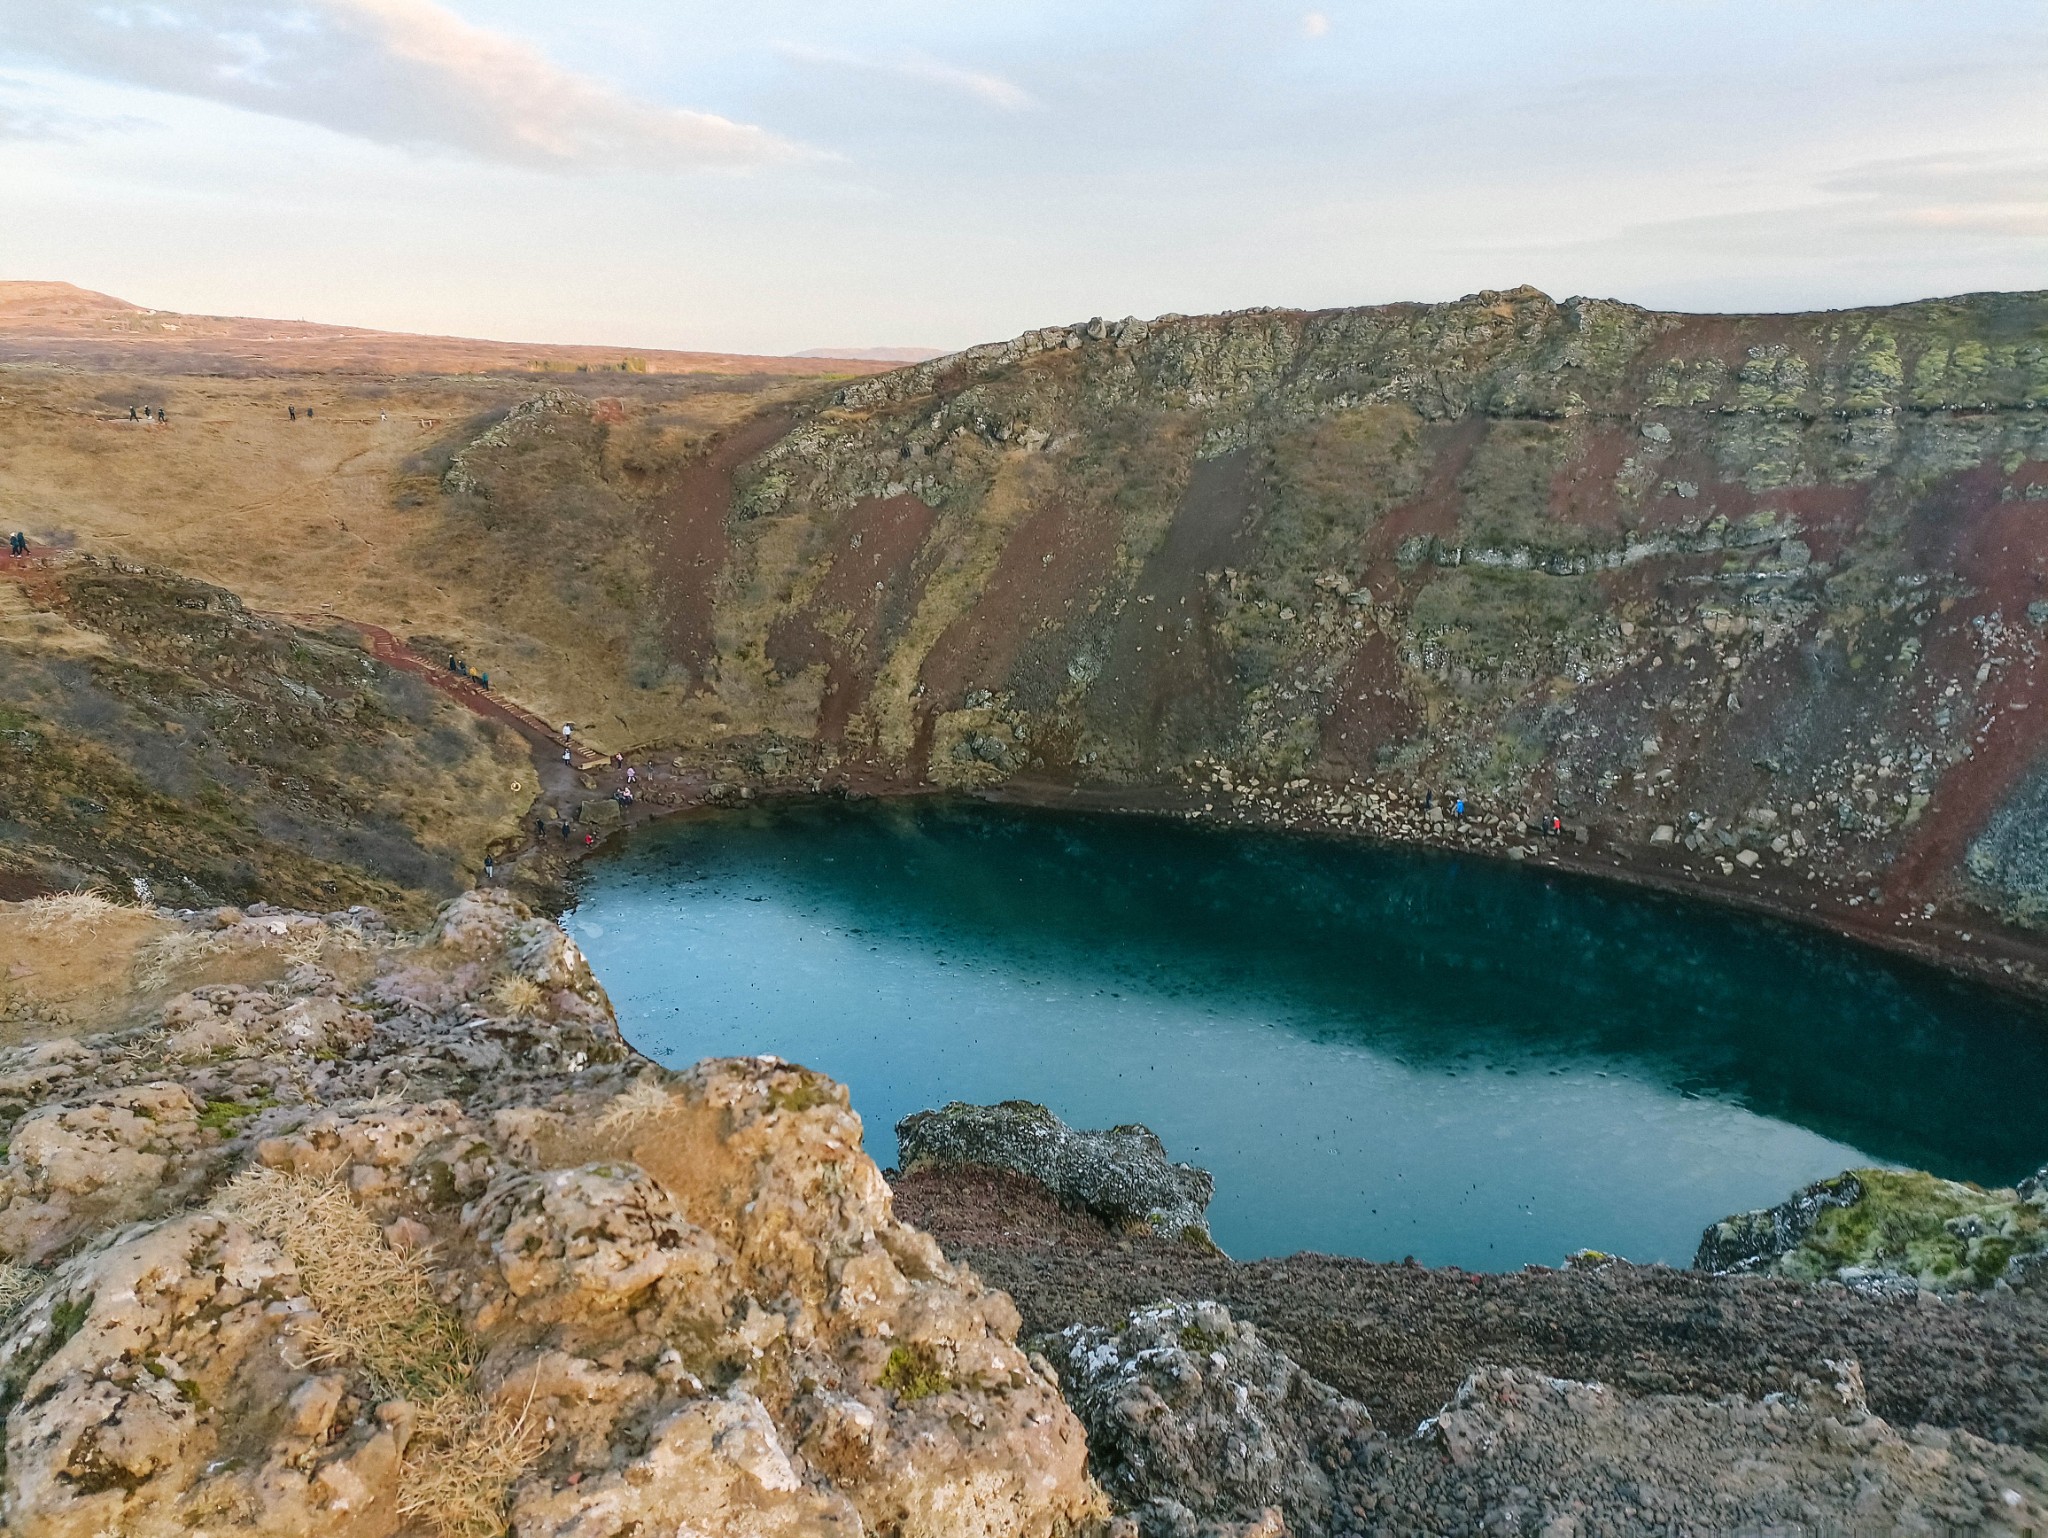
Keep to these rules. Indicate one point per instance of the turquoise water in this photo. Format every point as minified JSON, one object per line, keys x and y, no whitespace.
{"x":1378,"y":1053}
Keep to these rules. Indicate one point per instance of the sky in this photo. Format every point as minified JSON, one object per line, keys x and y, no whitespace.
{"x":788,"y":174}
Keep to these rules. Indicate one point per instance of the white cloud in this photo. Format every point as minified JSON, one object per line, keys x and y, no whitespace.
{"x":993,"y":89}
{"x":1315,"y":24}
{"x":29,"y":111}
{"x":406,"y":72}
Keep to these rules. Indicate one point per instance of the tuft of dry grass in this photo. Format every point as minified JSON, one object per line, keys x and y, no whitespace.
{"x":462,"y":1486}
{"x":518,"y":996}
{"x":78,"y":911}
{"x":379,"y":1313}
{"x":170,"y":954}
{"x":639,"y":1103}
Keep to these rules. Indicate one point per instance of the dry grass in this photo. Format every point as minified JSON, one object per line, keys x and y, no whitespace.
{"x":309,"y":517}
{"x":517,"y":996}
{"x":640,"y":1103}
{"x":73,"y":912}
{"x":18,"y":1284}
{"x":169,"y":955}
{"x":378,"y":1312}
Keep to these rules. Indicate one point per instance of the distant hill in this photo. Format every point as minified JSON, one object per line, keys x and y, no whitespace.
{"x":876,"y":354}
{"x":61,"y":323}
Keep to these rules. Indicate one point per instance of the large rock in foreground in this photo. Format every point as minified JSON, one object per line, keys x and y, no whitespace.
{"x":440,"y":1255}
{"x":1200,"y":1427}
{"x":1902,"y":1229}
{"x":1122,"y":1175}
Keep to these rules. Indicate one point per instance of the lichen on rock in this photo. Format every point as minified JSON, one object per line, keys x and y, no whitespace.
{"x":1122,"y":1175}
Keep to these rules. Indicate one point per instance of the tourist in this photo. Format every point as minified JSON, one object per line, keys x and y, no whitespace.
{"x":294,"y":412}
{"x":132,"y":415}
{"x":1458,"y":810}
{"x":629,"y":774}
{"x":490,"y":869}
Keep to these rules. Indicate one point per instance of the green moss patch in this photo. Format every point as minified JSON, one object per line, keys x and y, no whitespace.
{"x":912,"y":1373}
{"x":221,"y":1115}
{"x":1943,"y":1233}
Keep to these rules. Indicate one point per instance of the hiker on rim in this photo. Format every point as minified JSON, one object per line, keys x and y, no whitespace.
{"x":294,"y":412}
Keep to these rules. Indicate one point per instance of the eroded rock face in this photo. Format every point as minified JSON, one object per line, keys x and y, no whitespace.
{"x":464,"y":1260}
{"x":113,"y":1156}
{"x":1898,"y":1230}
{"x":1122,"y":1175}
{"x":1201,"y":1428}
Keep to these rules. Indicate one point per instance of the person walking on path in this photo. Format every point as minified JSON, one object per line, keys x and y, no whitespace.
{"x":490,"y":869}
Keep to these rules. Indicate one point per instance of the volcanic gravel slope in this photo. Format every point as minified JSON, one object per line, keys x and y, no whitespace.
{"x":1402,"y":1338}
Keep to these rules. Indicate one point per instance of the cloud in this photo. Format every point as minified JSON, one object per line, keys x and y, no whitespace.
{"x":1315,"y":24}
{"x":993,"y":89}
{"x":29,"y":113}
{"x":403,"y":72}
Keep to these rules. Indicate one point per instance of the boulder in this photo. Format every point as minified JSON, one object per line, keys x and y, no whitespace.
{"x":1122,"y":1175}
{"x":605,"y":816}
{"x":1198,"y":1427}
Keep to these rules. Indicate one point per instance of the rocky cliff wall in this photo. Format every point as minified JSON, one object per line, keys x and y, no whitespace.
{"x":1752,"y":602}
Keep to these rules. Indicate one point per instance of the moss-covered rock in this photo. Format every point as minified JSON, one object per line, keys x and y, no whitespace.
{"x":1891,"y":1227}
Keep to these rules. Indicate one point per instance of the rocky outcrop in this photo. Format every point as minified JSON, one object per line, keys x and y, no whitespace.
{"x":1121,"y":1175}
{"x":1201,"y":1429}
{"x":1897,"y":1229}
{"x":439,"y":1254}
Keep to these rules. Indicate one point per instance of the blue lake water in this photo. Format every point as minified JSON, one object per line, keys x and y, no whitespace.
{"x":1378,"y":1053}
